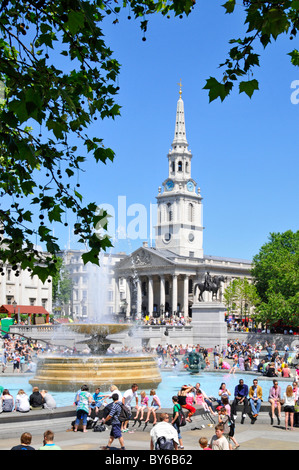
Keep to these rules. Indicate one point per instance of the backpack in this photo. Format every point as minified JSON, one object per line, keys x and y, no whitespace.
{"x":123,"y":416}
{"x":181,"y":419}
{"x":99,"y":427}
{"x":106,"y":413}
{"x":163,"y":443}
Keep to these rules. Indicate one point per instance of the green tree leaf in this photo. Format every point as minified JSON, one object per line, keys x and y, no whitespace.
{"x":248,"y":87}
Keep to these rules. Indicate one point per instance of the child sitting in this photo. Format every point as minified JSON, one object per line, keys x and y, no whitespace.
{"x":143,"y":405}
{"x":155,"y":405}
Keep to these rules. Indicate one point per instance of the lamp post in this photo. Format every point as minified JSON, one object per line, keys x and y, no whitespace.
{"x":14,"y":309}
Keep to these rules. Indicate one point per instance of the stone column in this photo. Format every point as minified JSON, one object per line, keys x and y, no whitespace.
{"x":117,"y":299}
{"x":174,"y":293}
{"x":162,"y":291}
{"x":139,"y":299}
{"x":186,"y":296}
{"x":150,"y":296}
{"x":128,"y":297}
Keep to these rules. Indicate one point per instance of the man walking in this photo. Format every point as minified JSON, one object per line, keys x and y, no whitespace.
{"x":115,"y":423}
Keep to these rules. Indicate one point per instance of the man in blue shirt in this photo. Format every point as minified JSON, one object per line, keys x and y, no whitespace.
{"x":115,"y":423}
{"x":241,"y":393}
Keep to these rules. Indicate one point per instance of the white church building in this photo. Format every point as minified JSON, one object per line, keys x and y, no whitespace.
{"x":160,"y":280}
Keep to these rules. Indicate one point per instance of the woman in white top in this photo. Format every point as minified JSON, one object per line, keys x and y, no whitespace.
{"x":22,"y":402}
{"x":289,"y":406}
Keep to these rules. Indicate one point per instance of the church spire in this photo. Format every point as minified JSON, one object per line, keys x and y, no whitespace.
{"x":180,"y":129}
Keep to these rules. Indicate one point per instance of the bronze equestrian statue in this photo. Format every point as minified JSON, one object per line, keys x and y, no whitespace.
{"x":210,"y":284}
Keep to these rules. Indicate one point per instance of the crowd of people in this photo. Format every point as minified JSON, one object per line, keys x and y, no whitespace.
{"x":20,"y":352}
{"x":166,"y":429}
{"x":23,"y":403}
{"x":222,"y":408}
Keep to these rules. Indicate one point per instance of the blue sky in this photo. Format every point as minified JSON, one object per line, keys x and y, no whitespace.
{"x":245,"y":152}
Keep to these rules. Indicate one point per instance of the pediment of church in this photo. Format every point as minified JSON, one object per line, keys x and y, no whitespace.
{"x":145,"y":258}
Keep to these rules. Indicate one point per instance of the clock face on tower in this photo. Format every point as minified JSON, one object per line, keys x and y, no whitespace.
{"x":169,"y":185}
{"x":190,"y":186}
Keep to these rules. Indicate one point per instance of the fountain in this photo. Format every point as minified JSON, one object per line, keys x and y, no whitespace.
{"x":69,"y":373}
{"x":194,"y":362}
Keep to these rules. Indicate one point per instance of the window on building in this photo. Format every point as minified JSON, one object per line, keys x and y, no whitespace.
{"x":190,"y":286}
{"x":180,"y":166}
{"x":110,"y":296}
{"x":9,"y":299}
{"x":32,"y":301}
{"x":143,"y":288}
{"x":44,"y":303}
{"x":166,"y":287}
{"x":8,"y":273}
{"x":190,"y":212}
{"x":169,"y":212}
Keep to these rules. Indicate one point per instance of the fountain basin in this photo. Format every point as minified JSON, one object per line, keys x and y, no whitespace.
{"x":70,"y":373}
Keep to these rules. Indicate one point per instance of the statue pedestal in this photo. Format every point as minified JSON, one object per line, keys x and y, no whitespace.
{"x":208,"y":324}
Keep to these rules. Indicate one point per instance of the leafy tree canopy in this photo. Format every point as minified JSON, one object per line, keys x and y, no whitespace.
{"x":240,"y":295}
{"x":44,"y":108}
{"x":265,"y":22}
{"x":276,"y":276}
{"x":61,"y":285}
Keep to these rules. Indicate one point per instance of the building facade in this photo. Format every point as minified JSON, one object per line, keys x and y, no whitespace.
{"x":93,"y":287}
{"x":22,"y":289}
{"x":160,"y":280}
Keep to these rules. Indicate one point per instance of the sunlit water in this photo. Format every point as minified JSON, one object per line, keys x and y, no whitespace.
{"x":172,"y":380}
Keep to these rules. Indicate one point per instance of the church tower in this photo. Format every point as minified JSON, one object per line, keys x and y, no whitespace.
{"x":179,"y":213}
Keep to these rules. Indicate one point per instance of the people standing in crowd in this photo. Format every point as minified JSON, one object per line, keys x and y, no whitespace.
{"x":218,"y":441}
{"x":275,"y":401}
{"x":175,"y":419}
{"x":83,"y":401}
{"x":126,"y":400}
{"x":116,"y":432}
{"x":289,"y":407}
